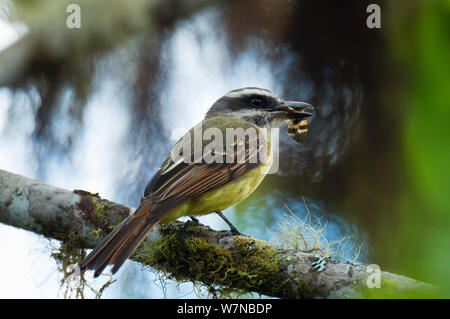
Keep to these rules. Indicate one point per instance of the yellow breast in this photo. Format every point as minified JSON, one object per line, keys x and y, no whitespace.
{"x":225,"y":196}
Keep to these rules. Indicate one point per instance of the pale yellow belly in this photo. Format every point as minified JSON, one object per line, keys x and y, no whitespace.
{"x":218,"y":199}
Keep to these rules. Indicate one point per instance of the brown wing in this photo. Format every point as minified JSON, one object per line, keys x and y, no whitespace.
{"x":176,"y":183}
{"x":173,"y":184}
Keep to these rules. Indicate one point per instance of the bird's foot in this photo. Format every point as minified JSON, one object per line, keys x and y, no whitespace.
{"x":321,"y":262}
{"x":192,"y":221}
{"x":232,"y":232}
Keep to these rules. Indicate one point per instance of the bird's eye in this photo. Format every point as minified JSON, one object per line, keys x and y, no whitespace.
{"x":256,"y":101}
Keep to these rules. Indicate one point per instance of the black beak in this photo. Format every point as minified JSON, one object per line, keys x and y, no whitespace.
{"x":294,"y":110}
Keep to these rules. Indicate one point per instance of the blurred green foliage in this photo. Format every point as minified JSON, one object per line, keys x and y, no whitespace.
{"x":424,"y":50}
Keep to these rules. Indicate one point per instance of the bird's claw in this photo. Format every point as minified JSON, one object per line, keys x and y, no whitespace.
{"x":193,"y":221}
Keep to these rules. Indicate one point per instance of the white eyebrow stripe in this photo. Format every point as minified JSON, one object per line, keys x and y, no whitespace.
{"x":245,"y":92}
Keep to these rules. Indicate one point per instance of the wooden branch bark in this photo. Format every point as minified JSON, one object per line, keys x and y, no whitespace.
{"x":189,"y":251}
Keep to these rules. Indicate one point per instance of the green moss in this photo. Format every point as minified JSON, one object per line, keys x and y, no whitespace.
{"x":70,"y":251}
{"x":95,"y":232}
{"x":248,"y":265}
{"x":101,"y":214}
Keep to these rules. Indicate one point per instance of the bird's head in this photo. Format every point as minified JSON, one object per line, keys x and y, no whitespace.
{"x":260,"y":107}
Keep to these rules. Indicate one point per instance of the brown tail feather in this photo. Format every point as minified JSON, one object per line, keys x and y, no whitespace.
{"x":118,"y":245}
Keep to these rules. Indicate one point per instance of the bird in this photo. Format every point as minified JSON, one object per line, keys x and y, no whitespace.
{"x":207,"y":180}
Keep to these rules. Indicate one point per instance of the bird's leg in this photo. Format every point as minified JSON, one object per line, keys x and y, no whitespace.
{"x":194,"y":220}
{"x":233,"y":229}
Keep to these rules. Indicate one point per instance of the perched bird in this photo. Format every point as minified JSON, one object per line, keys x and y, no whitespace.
{"x":194,"y":184}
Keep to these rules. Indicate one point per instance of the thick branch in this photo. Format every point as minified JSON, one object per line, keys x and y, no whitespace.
{"x":190,"y":252}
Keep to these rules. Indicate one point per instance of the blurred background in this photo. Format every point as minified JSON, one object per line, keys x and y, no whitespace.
{"x":98,"y":108}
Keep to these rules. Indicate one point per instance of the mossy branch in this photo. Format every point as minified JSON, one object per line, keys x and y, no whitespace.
{"x":191,"y":252}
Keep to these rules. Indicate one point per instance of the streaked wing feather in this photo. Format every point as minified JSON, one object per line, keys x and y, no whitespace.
{"x":184,"y":181}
